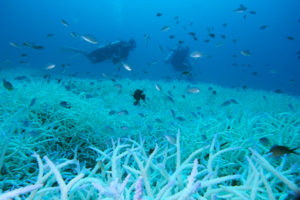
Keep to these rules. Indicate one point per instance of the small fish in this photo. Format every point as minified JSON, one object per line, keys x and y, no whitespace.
{"x":119,"y":86}
{"x":7,"y":85}
{"x":196,"y":54}
{"x":180,"y":42}
{"x":33,"y":101}
{"x":14,"y":45}
{"x":264,"y":141}
{"x":158,"y":120}
{"x":192,"y":33}
{"x":245,"y":53}
{"x":74,"y":35}
{"x":253,"y":12}
{"x":263,"y":27}
{"x":138,"y":95}
{"x":291,"y":107}
{"x":233,"y":101}
{"x":142,"y":115}
{"x":171,"y":99}
{"x":51,"y":66}
{"x":170,"y":93}
{"x":159,"y":14}
{"x":240,"y":9}
{"x":165,"y":28}
{"x":123,"y":112}
{"x":278,"y":150}
{"x":173,"y":113}
{"x":226,"y":103}
{"x":161,"y":48}
{"x":171,"y":36}
{"x":89,"y":38}
{"x":23,"y":55}
{"x":195,"y":115}
{"x":171,"y":139}
{"x":126,"y":66}
{"x":64,"y":22}
{"x":290,"y":38}
{"x":65,"y":104}
{"x":185,"y":73}
{"x":147,"y":38}
{"x":21,"y":78}
{"x":195,"y":38}
{"x":112,"y":112}
{"x":49,"y":35}
{"x":212,"y":35}
{"x":179,"y":118}
{"x":223,"y":36}
{"x":157,"y":87}
{"x":124,"y":127}
{"x":193,"y":90}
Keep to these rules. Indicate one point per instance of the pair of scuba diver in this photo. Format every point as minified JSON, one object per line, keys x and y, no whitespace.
{"x":119,"y":51}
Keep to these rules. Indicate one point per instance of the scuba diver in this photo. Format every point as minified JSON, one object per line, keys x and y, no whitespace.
{"x":178,"y":59}
{"x":117,"y":51}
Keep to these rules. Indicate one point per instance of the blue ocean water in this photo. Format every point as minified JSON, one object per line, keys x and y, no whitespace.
{"x":273,"y":64}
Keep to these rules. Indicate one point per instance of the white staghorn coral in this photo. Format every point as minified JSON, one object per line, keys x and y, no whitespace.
{"x":127,"y":172}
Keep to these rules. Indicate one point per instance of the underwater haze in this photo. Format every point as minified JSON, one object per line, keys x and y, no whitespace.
{"x":269,"y":30}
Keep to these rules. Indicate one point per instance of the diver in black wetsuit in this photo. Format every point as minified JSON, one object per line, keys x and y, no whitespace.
{"x":178,"y":59}
{"x":116,"y":51}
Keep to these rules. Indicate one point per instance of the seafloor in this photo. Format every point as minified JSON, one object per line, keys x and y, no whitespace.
{"x":65,"y":137}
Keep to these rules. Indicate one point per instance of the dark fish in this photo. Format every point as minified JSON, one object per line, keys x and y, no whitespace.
{"x":171,"y":99}
{"x":159,"y":14}
{"x":7,"y":85}
{"x":179,"y":118}
{"x":170,"y":93}
{"x":33,"y":101}
{"x":290,"y":38}
{"x":212,"y":35}
{"x":185,"y":73}
{"x":255,"y":73}
{"x":264,"y":141}
{"x":263,"y":27}
{"x":223,"y":36}
{"x":214,"y":92}
{"x":21,"y":78}
{"x":240,"y":9}
{"x":142,"y":115}
{"x":112,"y":112}
{"x":173,"y":113}
{"x":226,"y":103}
{"x":195,"y":115}
{"x":138,"y":95}
{"x":233,"y":101}
{"x":64,"y":22}
{"x":23,"y":55}
{"x":278,"y":150}
{"x":192,"y":33}
{"x":123,"y":112}
{"x":49,"y":35}
{"x":278,"y":91}
{"x":65,"y":104}
{"x":195,"y":38}
{"x":253,"y":12}
{"x":158,"y":120}
{"x":180,"y":42}
{"x":224,"y":25}
{"x":171,"y":36}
